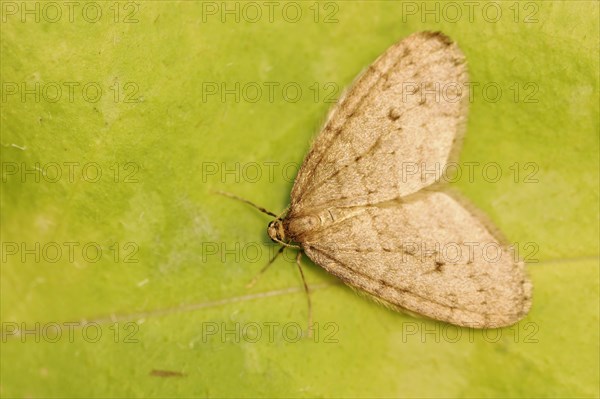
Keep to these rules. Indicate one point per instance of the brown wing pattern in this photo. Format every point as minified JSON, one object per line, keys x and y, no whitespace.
{"x":404,"y":112}
{"x":429,"y":255}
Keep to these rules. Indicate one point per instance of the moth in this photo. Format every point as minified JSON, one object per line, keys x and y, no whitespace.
{"x":369,"y":205}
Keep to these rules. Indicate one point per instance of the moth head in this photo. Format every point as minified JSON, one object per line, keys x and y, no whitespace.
{"x":276,"y":231}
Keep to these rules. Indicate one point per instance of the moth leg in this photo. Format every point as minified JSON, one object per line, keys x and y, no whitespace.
{"x":283,"y":213}
{"x":265,"y":267}
{"x":285,"y":244}
{"x":310,"y":323}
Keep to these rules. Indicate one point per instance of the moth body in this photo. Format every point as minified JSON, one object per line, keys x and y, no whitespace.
{"x":366,"y":207}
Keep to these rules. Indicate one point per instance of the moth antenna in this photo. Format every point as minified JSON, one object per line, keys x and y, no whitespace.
{"x":260,"y":208}
{"x":260,"y":273}
{"x":310,"y":324}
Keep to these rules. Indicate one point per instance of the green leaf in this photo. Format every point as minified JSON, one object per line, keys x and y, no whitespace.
{"x":167,"y":293}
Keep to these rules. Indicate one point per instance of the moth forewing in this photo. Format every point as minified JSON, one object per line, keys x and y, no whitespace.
{"x":388,"y":128}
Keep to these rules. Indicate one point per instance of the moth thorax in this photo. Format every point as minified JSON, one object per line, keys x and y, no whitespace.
{"x":298,"y":226}
{"x":276,"y":231}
